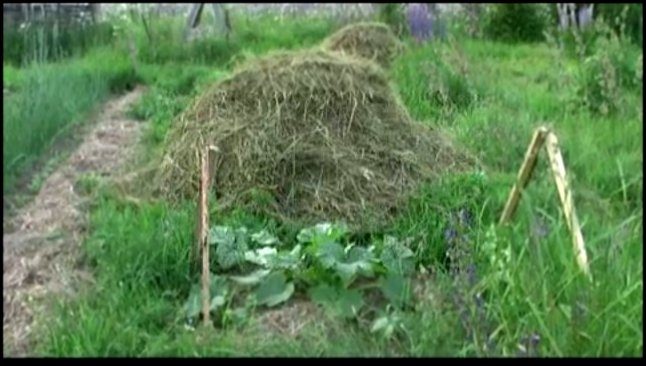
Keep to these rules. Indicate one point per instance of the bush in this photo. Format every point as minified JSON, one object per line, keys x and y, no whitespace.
{"x":515,"y":22}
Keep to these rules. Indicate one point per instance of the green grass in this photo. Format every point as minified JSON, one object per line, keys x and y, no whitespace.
{"x":489,"y":97}
{"x":48,"y":100}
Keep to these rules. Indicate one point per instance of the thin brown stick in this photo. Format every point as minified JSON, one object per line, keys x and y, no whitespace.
{"x":525,"y":173}
{"x":208,"y":159}
{"x":560,"y":178}
{"x":204,"y":224}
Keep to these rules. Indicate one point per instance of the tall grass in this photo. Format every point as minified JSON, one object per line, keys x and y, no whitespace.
{"x":51,"y":98}
{"x":52,"y":41}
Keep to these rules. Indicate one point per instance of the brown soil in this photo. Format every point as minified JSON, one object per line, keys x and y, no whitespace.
{"x":41,"y":254}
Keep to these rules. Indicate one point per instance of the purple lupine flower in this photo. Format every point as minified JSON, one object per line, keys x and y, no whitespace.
{"x":472,"y":276}
{"x":472,"y":310}
{"x":418,"y":21}
{"x":450,"y":234}
{"x":458,"y":250}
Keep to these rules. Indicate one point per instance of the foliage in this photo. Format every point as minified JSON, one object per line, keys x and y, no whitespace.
{"x":51,"y":99}
{"x":323,"y":263}
{"x":515,"y":22}
{"x":625,"y":19}
{"x":608,"y":63}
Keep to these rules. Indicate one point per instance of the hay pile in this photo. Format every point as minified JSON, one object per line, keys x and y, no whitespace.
{"x":306,"y":136}
{"x":372,"y":41}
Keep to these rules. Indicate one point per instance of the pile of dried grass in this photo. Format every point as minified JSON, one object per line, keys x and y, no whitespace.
{"x":369,"y":40}
{"x":306,"y":136}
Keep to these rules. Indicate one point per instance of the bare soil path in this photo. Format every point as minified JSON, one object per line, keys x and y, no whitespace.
{"x":41,"y":254}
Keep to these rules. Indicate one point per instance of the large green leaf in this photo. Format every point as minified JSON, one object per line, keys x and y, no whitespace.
{"x":230,"y":245}
{"x":321,"y":233}
{"x":218,"y":292}
{"x":221,"y":235}
{"x":274,"y":290}
{"x":271,"y":258}
{"x":386,"y":325}
{"x":397,"y":258}
{"x":253,"y":278}
{"x":347,"y":263}
{"x":264,"y":238}
{"x":291,"y":260}
{"x":345,"y":303}
{"x":397,"y":290}
{"x":261,"y":256}
{"x":330,"y":253}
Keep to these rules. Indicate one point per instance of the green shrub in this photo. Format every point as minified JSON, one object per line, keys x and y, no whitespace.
{"x":515,"y":22}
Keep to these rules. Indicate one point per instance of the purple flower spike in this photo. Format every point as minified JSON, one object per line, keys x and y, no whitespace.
{"x":472,"y":277}
{"x":418,"y":21}
{"x":450,"y":234}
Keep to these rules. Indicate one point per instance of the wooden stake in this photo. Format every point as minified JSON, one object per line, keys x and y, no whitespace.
{"x":543,"y":136}
{"x":560,"y":178}
{"x":207,"y":157}
{"x":524,"y":174}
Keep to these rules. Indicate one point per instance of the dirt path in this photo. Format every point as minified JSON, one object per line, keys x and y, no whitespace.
{"x":41,"y":256}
